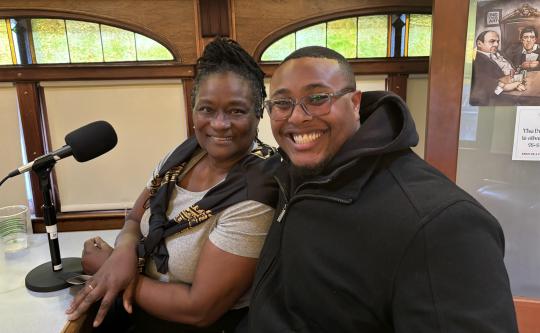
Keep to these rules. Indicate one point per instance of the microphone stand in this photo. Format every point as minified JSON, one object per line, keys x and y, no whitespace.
{"x":52,"y":275}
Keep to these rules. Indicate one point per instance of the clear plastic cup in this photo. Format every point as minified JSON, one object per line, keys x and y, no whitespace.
{"x":13,"y":222}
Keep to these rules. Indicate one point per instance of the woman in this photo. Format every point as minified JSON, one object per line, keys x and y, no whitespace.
{"x":204,"y":214}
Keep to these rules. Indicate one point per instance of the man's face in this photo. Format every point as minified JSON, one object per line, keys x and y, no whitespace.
{"x":490,"y":43}
{"x":312,"y":141}
{"x":528,"y":40}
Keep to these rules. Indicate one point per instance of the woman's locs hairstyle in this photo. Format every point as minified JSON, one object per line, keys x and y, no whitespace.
{"x":226,"y":55}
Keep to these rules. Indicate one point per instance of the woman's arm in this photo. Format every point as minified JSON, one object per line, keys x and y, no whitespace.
{"x":117,"y":272}
{"x":220,"y":279}
{"x":224,"y":272}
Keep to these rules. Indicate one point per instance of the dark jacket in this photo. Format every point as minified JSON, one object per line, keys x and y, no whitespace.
{"x":485,"y":78}
{"x":380,"y":242}
{"x":517,"y":57}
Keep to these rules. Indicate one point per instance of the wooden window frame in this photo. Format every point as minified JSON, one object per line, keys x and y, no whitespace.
{"x":298,"y":25}
{"x":70,"y":15}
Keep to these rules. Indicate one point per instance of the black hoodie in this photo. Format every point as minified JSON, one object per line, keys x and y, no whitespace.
{"x":380,"y":242}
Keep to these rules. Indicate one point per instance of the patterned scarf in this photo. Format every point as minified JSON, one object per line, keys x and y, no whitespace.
{"x":249,"y":179}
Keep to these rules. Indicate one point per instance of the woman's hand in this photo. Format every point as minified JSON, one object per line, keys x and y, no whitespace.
{"x":95,"y":252}
{"x":114,"y":276}
{"x":117,"y":272}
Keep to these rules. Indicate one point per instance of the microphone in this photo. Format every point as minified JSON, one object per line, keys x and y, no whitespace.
{"x":85,"y":143}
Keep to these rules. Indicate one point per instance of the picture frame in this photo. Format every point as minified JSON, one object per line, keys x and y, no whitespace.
{"x":493,"y":17}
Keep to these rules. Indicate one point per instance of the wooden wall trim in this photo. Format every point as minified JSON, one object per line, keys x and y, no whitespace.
{"x":30,"y":113}
{"x":280,"y":32}
{"x":446,"y":84}
{"x":528,"y":314}
{"x":76,"y":15}
{"x":215,"y":18}
{"x":103,"y":220}
{"x":397,"y":83}
{"x":188,"y":89}
{"x":412,"y":65}
{"x":94,"y":72}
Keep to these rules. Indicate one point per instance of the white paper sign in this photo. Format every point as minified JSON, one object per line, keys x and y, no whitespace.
{"x":527,"y":134}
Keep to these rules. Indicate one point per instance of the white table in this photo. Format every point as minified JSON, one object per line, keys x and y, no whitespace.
{"x":25,"y":311}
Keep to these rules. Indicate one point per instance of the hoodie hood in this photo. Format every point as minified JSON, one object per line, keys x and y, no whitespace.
{"x":386,"y":126}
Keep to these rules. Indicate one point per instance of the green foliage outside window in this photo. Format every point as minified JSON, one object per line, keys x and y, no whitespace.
{"x":342,"y":36}
{"x":50,"y":42}
{"x":149,"y":49}
{"x":355,"y":37}
{"x":118,"y":44}
{"x":280,"y":49}
{"x":5,"y":51}
{"x":419,"y":35}
{"x":372,"y":36}
{"x":314,"y":35}
{"x":71,"y":41}
{"x":84,"y":41}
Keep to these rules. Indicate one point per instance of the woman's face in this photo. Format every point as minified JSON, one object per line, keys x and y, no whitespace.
{"x":223,"y":115}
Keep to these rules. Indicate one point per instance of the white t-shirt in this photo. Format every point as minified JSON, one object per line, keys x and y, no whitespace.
{"x":239,"y":229}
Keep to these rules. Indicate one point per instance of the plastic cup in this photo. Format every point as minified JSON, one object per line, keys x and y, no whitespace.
{"x":13,"y":222}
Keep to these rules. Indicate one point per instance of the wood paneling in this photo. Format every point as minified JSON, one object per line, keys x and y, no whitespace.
{"x":528,"y":314}
{"x":445,"y":84}
{"x":259,"y":22}
{"x":31,"y":121}
{"x":104,"y":220}
{"x":418,"y":65}
{"x":87,"y":72}
{"x":215,"y":18}
{"x":188,"y":90}
{"x":397,"y":83}
{"x":170,"y":21}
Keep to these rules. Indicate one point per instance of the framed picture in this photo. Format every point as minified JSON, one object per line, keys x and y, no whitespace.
{"x":493,"y":17}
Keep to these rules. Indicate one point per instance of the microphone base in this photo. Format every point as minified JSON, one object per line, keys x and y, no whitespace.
{"x":44,"y":279}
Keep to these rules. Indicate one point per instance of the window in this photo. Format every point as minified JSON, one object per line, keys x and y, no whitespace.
{"x":419,"y":35}
{"x":63,"y":41}
{"x":374,"y":36}
{"x":6,"y":57}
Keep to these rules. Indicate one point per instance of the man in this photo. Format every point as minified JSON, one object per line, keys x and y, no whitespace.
{"x":525,"y":54}
{"x":492,"y":73}
{"x":368,"y":237}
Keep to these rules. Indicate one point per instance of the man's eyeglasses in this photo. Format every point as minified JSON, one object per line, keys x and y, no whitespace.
{"x":313,"y":105}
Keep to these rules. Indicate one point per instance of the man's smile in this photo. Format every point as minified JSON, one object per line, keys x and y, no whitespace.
{"x":304,"y":138}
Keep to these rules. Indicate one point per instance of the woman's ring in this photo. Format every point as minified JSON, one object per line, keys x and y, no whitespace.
{"x":90,"y":286}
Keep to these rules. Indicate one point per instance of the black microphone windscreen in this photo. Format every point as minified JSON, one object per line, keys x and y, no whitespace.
{"x":91,"y":140}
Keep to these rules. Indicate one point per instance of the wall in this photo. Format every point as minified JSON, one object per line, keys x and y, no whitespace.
{"x":417,"y":96}
{"x":13,"y":191}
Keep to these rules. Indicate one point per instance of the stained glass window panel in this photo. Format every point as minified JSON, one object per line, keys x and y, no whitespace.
{"x":50,"y":43}
{"x":118,"y":44}
{"x":314,"y":35}
{"x":342,"y":36}
{"x":280,"y":49}
{"x":84,"y":41}
{"x":372,"y":36}
{"x":419,"y":35}
{"x":5,"y":48}
{"x":149,"y":49}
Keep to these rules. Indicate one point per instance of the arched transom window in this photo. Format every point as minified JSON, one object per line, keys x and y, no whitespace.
{"x":64,"y":41}
{"x":374,"y":36}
